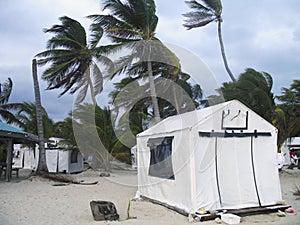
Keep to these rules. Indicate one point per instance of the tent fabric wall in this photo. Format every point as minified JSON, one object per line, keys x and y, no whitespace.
{"x":18,"y":158}
{"x":52,"y":160}
{"x":285,"y":149}
{"x":29,"y":159}
{"x":64,"y":163}
{"x":59,"y":160}
{"x":166,"y":190}
{"x":218,"y":164}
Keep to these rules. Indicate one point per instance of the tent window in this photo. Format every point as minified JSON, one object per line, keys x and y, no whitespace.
{"x":161,"y":157}
{"x":74,"y":156}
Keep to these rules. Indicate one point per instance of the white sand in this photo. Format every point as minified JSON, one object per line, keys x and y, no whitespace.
{"x":36,"y":201}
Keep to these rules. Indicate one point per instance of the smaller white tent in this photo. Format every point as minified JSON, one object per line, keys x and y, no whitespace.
{"x":219,"y":157}
{"x":289,"y":143}
{"x":60,"y":160}
{"x":133,"y":152}
{"x":57,"y":158}
{"x":23,"y":157}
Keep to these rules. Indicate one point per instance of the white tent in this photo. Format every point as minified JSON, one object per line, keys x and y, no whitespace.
{"x":290,"y":143}
{"x":133,"y":152}
{"x":23,"y":157}
{"x":220,"y":157}
{"x":60,"y":160}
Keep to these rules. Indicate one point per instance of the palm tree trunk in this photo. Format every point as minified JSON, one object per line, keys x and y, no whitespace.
{"x":153,"y":93}
{"x":42,"y":165}
{"x":223,"y":51}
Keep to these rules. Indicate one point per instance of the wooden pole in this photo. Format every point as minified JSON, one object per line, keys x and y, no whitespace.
{"x":9,"y":150}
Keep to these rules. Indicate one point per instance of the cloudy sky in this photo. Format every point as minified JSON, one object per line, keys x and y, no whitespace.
{"x":261,"y":34}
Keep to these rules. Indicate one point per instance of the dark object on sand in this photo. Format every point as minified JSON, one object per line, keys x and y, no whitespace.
{"x":64,"y":179}
{"x":105,"y":174}
{"x":104,"y":210}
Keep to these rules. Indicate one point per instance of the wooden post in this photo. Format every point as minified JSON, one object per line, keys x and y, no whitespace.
{"x":9,"y":158}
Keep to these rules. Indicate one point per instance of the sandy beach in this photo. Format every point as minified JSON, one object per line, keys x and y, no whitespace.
{"x":37,"y":201}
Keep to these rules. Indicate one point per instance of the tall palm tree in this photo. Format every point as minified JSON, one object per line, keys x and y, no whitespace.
{"x":132,"y":24}
{"x":42,"y":163}
{"x":73,"y":59}
{"x":203,"y":14}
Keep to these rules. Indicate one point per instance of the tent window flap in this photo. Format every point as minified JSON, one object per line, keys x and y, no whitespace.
{"x":74,"y":155}
{"x":161,"y":157}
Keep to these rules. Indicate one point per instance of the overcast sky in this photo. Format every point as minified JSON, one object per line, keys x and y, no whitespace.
{"x":261,"y":34}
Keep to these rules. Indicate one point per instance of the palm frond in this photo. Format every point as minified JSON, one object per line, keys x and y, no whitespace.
{"x":214,"y":5}
{"x":98,"y":79}
{"x":5,"y":90}
{"x":197,"y":6}
{"x":202,"y":14}
{"x":82,"y":92}
{"x":96,"y":35}
{"x":70,"y":29}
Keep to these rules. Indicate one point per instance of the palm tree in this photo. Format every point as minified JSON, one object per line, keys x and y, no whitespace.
{"x":25,"y":113}
{"x":5,"y":91}
{"x":100,"y":121}
{"x":131,"y":24}
{"x":203,"y":14}
{"x":42,"y":164}
{"x":64,"y":129}
{"x":73,"y":59}
{"x":290,"y":103}
{"x":253,"y":88}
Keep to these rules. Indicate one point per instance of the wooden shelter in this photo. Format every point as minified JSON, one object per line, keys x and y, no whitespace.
{"x":11,"y":135}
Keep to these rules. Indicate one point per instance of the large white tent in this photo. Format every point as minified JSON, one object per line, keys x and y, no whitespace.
{"x":219,"y":157}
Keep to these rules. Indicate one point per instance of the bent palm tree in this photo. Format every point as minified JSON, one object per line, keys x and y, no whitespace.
{"x":131,"y":24}
{"x":203,"y":14}
{"x":5,"y":91}
{"x":290,"y":103}
{"x":73,"y":59}
{"x":25,"y":112}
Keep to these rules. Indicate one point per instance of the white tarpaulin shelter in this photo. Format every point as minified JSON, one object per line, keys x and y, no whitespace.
{"x":289,"y":144}
{"x":220,"y":157}
{"x":23,"y":157}
{"x":133,"y":152}
{"x":60,"y":160}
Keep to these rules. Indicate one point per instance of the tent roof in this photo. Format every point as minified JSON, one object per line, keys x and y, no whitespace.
{"x":188,"y":120}
{"x":18,"y":136}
